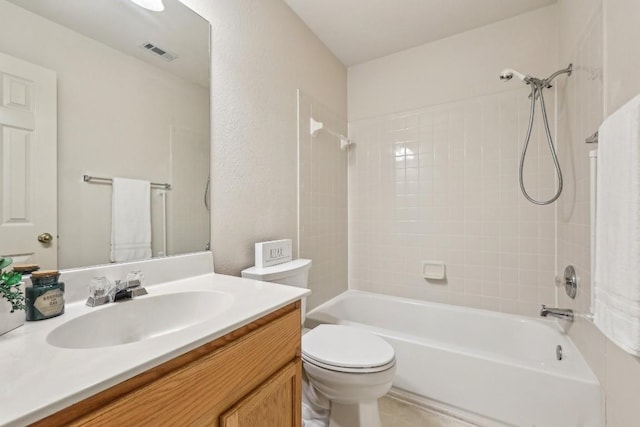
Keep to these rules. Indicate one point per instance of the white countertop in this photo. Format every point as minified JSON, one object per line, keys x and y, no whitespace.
{"x":38,"y":379}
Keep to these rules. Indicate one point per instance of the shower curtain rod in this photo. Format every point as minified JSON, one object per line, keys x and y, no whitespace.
{"x":316,"y":126}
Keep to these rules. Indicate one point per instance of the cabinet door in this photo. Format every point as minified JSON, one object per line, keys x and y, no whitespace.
{"x":275,"y":403}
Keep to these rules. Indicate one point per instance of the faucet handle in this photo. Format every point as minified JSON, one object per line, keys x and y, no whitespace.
{"x":99,"y":286}
{"x":135,"y":278}
{"x":135,"y":283}
{"x":99,"y":291}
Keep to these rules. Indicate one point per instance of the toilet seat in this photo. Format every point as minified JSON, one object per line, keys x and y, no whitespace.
{"x":349,"y":370}
{"x":346,"y":349}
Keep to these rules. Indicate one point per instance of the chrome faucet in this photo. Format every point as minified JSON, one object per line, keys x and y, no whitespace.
{"x":560,"y":313}
{"x":126,"y":290}
{"x":102,"y":292}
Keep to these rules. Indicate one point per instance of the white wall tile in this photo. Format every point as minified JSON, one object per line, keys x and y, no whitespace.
{"x":458,"y":203}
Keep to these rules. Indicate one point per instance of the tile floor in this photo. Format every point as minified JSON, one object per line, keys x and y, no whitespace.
{"x":396,"y":413}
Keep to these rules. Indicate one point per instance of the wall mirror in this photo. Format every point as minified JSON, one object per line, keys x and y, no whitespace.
{"x":103,"y":88}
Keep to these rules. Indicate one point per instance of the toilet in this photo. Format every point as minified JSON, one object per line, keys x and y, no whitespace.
{"x":349,"y":367}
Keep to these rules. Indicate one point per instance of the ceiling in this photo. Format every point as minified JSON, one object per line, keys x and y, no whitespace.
{"x":124,"y":26}
{"x":357,"y":31}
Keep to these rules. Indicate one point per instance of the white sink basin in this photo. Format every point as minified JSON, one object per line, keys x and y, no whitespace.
{"x":140,"y":319}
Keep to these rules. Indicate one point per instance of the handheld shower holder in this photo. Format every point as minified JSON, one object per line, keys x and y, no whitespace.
{"x":508,"y":74}
{"x":537,"y":87}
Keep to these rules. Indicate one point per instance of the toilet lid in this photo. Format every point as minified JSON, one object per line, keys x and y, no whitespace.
{"x":276,"y":272}
{"x":346,"y":347}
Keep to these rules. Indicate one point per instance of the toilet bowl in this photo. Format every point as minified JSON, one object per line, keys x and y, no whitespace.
{"x":349,"y":367}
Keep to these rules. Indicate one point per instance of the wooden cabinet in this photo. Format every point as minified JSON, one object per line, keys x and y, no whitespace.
{"x":250,"y":377}
{"x":275,"y":403}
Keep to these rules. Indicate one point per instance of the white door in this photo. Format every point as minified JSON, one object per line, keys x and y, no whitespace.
{"x":28,"y":163}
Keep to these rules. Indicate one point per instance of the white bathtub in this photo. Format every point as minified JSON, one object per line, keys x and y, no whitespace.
{"x":488,"y":368}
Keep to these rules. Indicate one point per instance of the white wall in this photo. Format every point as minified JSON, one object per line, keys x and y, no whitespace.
{"x":622,"y":52}
{"x":456,"y":68}
{"x":323,"y":203}
{"x":115,"y":118}
{"x":434,"y":174}
{"x":262,"y":53}
{"x":622,"y":82}
{"x":599,"y":38}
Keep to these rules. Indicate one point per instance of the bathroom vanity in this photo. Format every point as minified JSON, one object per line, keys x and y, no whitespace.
{"x":208,"y":350}
{"x":248,"y":377}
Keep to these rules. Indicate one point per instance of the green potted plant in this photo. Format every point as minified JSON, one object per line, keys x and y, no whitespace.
{"x":11,"y":298}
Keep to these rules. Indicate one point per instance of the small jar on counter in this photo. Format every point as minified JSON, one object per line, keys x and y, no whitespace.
{"x":25,"y":269}
{"x":45,"y":299}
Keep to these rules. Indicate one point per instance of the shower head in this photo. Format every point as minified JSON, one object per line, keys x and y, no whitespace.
{"x":508,"y":74}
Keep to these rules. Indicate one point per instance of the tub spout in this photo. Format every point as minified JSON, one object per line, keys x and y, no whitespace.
{"x":560,"y":313}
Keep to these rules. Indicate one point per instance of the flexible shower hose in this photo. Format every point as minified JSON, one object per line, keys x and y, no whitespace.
{"x":536,"y":91}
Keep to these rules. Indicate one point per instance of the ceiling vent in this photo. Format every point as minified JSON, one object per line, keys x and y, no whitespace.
{"x":156,"y":50}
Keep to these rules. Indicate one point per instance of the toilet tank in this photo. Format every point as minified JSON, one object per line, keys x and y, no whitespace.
{"x":292,"y":273}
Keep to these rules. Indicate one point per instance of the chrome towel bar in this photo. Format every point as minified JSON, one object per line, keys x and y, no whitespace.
{"x":89,"y":178}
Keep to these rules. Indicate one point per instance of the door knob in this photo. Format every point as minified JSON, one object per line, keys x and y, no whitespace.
{"x":45,"y":238}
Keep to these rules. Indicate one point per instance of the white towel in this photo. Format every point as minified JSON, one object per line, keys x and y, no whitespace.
{"x":130,"y":220}
{"x":617,"y":269}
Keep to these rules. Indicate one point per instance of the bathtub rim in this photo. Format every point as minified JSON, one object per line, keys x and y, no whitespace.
{"x":589,"y":376}
{"x":550,"y":323}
